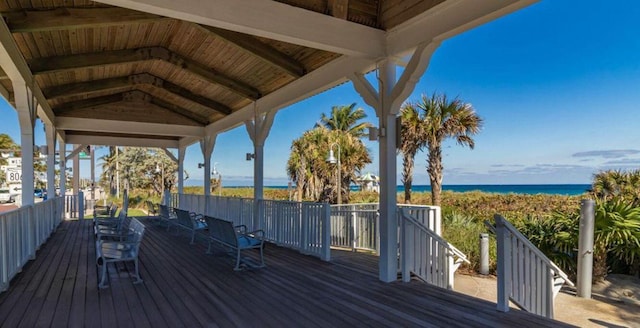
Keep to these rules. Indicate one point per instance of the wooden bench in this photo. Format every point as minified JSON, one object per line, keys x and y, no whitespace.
{"x":110,"y":251}
{"x":236,"y":239}
{"x":190,"y":222}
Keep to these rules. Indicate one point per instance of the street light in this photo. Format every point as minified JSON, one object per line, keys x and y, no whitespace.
{"x":216,"y":172}
{"x":161,"y":170}
{"x":332,"y":160}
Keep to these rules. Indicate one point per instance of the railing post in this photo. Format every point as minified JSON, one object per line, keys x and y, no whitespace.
{"x":450,"y":270}
{"x":585,"y":248}
{"x":326,"y":233}
{"x":4,"y":259}
{"x":484,"y":253}
{"x":80,"y":205}
{"x":404,"y":248}
{"x":354,"y":230}
{"x":33,"y":239}
{"x":304,"y":228}
{"x":504,"y":268}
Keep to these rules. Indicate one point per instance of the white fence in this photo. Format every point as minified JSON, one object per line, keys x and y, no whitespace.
{"x":525,"y":275}
{"x":424,"y":253}
{"x":22,"y":232}
{"x":300,"y":226}
{"x":356,"y":226}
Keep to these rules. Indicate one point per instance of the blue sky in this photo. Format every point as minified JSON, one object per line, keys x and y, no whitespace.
{"x":556,"y":83}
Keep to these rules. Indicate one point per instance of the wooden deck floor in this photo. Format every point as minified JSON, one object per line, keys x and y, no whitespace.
{"x":184,"y":287}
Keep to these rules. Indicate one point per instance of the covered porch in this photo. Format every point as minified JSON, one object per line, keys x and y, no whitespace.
{"x":184,"y":286}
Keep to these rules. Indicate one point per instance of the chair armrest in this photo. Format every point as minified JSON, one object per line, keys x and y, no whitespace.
{"x":241,"y":228}
{"x":256,"y":234}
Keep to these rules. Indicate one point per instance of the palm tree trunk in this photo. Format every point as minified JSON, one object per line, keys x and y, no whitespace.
{"x":407,"y":175}
{"x":435,"y":173}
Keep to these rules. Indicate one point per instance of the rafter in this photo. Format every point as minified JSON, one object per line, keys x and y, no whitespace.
{"x":259,"y":49}
{"x":127,"y":127}
{"x":273,"y":20}
{"x":130,"y":96}
{"x":57,"y":64}
{"x":75,"y":89}
{"x":67,"y":18}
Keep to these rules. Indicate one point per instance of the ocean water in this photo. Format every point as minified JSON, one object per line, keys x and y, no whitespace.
{"x":551,"y":189}
{"x":532,"y":189}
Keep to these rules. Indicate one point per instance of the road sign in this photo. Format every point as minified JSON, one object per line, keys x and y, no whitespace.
{"x":14,"y":176}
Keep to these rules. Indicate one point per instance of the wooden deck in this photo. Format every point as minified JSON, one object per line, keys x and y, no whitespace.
{"x":184,"y":287}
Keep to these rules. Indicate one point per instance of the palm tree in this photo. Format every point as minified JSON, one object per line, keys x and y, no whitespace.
{"x":444,"y":119}
{"x":315,"y":179}
{"x":345,"y":118}
{"x":412,"y":139}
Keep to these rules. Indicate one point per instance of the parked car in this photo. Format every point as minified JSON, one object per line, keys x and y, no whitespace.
{"x":5,"y":196}
{"x":38,"y":192}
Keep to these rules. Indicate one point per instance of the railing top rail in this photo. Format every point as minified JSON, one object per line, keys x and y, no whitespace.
{"x":501,"y":221}
{"x":418,"y":206}
{"x":433,"y":235}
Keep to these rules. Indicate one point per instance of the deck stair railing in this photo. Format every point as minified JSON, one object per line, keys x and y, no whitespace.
{"x":525,"y":275}
{"x":22,"y":232}
{"x":301,"y":226}
{"x":426,"y":254}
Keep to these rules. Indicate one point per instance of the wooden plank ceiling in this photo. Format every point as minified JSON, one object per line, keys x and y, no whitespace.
{"x":96,"y":61}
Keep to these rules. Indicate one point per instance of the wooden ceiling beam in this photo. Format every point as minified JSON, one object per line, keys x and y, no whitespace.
{"x":122,"y":141}
{"x":29,"y":21}
{"x":272,"y":20}
{"x":87,"y":103}
{"x":339,"y":8}
{"x":259,"y":49}
{"x":130,"y":96}
{"x":128,"y":127}
{"x":76,"y":89}
{"x":180,"y":111}
{"x":58,"y":64}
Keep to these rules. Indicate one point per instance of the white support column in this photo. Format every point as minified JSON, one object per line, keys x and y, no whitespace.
{"x":62,"y":151}
{"x":206,"y":145}
{"x":181,"y":152}
{"x":76,"y":174}
{"x":93,"y":172}
{"x":258,"y":130}
{"x":26,"y":107}
{"x":50,"y":132}
{"x":387,"y":101}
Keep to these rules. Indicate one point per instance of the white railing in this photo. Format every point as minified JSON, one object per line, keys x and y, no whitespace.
{"x":71,"y":206}
{"x":525,"y":275}
{"x":22,"y":232}
{"x":425,"y":254}
{"x":355,"y":226}
{"x":301,"y":226}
